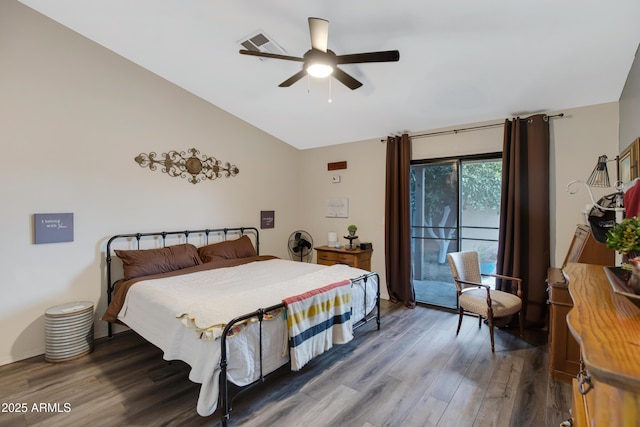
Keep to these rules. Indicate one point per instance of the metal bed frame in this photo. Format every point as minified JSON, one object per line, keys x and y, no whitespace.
{"x":225,"y":399}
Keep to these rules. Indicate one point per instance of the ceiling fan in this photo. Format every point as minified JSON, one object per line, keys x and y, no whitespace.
{"x":322,"y":62}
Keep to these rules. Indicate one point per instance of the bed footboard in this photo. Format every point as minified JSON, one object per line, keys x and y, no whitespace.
{"x":369,"y":317}
{"x":225,"y":399}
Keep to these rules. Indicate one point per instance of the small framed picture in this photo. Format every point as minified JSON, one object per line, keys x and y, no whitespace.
{"x":53,"y":227}
{"x":267,"y":219}
{"x":337,"y":207}
{"x":628,"y":161}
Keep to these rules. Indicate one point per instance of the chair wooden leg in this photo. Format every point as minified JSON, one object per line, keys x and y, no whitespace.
{"x":521,"y":318}
{"x":460,"y":320}
{"x":490,"y":321}
{"x":479,"y":321}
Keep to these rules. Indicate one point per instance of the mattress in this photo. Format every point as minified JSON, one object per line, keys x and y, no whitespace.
{"x":153,"y":308}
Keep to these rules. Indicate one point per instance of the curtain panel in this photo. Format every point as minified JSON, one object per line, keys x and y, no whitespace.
{"x":398,"y":221}
{"x":524,"y":241}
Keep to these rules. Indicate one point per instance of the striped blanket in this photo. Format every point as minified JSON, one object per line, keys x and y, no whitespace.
{"x":318,"y":319}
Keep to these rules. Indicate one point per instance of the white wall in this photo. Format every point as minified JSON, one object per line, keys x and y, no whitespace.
{"x":73,"y":116}
{"x":363,"y":183}
{"x":577,"y":141}
{"x":463,"y":143}
{"x":630,"y":106}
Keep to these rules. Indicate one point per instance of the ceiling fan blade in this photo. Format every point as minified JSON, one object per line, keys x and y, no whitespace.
{"x":271,"y":55}
{"x":291,"y":80}
{"x":346,"y":79}
{"x":319,"y":30}
{"x":358,"y":58}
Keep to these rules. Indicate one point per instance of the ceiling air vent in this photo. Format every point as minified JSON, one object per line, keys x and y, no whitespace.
{"x":261,"y":42}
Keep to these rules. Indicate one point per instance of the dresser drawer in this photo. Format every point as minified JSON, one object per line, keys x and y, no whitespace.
{"x":336,"y":257}
{"x":559,"y":295}
{"x":564,"y":357}
{"x":557,"y":288}
{"x":353,"y":258}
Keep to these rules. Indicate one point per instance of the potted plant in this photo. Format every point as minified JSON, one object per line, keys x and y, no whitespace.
{"x":352,"y":235}
{"x":625,"y":237}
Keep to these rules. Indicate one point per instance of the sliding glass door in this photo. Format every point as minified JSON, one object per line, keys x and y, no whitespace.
{"x":455,"y":205}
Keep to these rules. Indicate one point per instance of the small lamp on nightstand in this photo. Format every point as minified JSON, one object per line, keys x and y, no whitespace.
{"x":332,"y":239}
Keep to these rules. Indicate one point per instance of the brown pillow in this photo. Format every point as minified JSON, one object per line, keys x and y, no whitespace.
{"x":154,"y":261}
{"x":229,"y":249}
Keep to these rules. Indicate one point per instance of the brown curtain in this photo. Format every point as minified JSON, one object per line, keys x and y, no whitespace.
{"x":524,"y":242}
{"x":397,"y":221}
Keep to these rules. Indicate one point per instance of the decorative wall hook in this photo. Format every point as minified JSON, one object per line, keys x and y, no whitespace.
{"x":199,"y":168}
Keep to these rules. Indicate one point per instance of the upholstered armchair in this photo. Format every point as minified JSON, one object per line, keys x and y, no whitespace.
{"x":478,"y":298}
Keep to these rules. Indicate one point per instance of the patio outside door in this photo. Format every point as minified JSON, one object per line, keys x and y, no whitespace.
{"x":455,"y":205}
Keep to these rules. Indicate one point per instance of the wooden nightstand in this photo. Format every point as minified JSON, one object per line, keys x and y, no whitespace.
{"x":358,"y":258}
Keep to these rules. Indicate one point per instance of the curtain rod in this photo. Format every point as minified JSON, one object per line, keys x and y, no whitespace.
{"x":444,"y":132}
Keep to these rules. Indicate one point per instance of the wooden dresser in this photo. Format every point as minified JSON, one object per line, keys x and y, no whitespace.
{"x":586,"y":249}
{"x":607,"y":328}
{"x":564,"y":353}
{"x":359,"y":258}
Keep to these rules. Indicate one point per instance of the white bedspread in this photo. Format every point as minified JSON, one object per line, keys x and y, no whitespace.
{"x":152,"y":306}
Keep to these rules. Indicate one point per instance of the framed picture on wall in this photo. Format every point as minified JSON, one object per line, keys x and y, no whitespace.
{"x":628,"y":162}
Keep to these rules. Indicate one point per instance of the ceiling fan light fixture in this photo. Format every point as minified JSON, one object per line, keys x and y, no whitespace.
{"x":321,"y":62}
{"x":319,"y":70}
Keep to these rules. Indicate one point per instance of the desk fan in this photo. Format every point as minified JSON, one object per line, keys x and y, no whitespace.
{"x":300,"y":246}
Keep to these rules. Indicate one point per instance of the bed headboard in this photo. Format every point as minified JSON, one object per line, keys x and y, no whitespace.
{"x":168,"y":238}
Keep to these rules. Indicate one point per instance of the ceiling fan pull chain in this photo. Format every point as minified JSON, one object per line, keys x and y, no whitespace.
{"x":330,"y":97}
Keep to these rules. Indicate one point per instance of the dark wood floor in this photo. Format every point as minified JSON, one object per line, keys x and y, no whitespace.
{"x":413,"y":372}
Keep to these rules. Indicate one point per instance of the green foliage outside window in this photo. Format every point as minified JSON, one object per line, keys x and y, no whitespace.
{"x":482,"y":182}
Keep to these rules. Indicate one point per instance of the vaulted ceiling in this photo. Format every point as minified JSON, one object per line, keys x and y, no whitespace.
{"x":460,"y":61}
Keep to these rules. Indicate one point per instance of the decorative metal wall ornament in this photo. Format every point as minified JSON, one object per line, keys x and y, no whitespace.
{"x":177,"y":163}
